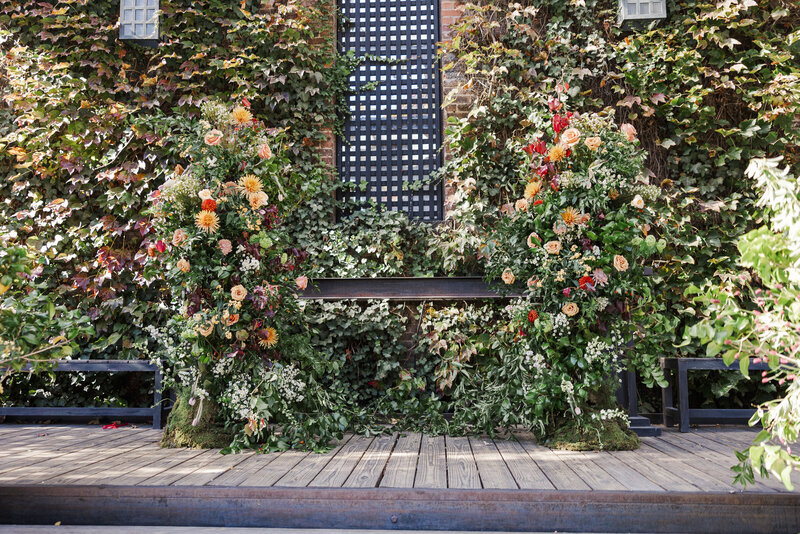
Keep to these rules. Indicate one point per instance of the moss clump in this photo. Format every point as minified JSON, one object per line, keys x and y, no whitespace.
{"x":613,"y":435}
{"x":207,"y":434}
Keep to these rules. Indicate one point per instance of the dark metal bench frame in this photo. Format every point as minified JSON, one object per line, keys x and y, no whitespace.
{"x":683,"y":414}
{"x":98,"y":366}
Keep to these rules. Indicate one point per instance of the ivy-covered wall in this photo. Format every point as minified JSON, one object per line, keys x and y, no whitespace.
{"x":86,"y":125}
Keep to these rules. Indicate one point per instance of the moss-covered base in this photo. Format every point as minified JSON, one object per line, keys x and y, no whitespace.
{"x":603,"y":435}
{"x":207,"y":434}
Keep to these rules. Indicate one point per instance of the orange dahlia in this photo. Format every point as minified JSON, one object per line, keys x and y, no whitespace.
{"x":532,"y":189}
{"x":571,"y":216}
{"x":240,"y":115}
{"x":250,"y":185}
{"x":268,"y":337}
{"x":557,"y":153}
{"x":207,"y":221}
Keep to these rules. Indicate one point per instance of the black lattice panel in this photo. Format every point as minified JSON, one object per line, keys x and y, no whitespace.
{"x":392,"y":137}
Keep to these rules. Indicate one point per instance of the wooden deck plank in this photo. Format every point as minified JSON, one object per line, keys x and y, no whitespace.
{"x":336,"y":472}
{"x":558,"y":472}
{"x":309,"y":467}
{"x":237,"y":474}
{"x":724,"y":461}
{"x":621,"y":472}
{"x":432,"y":463}
{"x":492,"y":469}
{"x":367,"y":472}
{"x":589,"y":471}
{"x":91,"y":441}
{"x":47,"y":465}
{"x":164,"y":463}
{"x":213,"y":469}
{"x":402,"y":464}
{"x":177,"y":472}
{"x":112,"y":469}
{"x":654,"y":471}
{"x":527,"y":474}
{"x":462,"y":472}
{"x":274,"y":470}
{"x":696,"y":473}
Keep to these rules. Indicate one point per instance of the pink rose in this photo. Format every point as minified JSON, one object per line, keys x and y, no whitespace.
{"x":178,"y":237}
{"x":225,"y":246}
{"x":161,"y":246}
{"x":567,"y":291}
{"x":302,"y":282}
{"x":264,"y":151}
{"x":213,"y":137}
{"x":629,"y":131}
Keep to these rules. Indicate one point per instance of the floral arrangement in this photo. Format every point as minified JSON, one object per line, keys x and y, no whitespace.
{"x":235,"y":345}
{"x":577,"y":243}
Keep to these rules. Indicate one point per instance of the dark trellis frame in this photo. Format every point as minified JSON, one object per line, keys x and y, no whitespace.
{"x":389,"y":170}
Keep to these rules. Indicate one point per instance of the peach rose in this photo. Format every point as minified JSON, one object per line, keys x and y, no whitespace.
{"x":258,"y":200}
{"x":521,"y":205}
{"x":570,"y":309}
{"x":213,"y":137}
{"x":233,"y":319}
{"x":206,"y":330}
{"x":205,"y":194}
{"x":638,"y":202}
{"x":629,"y":131}
{"x":534,"y":239}
{"x":620,"y":263}
{"x":264,"y":151}
{"x":302,"y":282}
{"x":571,"y":136}
{"x":225,"y":246}
{"x":508,"y":276}
{"x":178,"y":237}
{"x":183,"y":265}
{"x":238,"y":293}
{"x":593,"y":143}
{"x":553,"y":247}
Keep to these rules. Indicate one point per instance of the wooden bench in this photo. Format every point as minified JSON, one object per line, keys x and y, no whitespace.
{"x":683,"y":413}
{"x":98,"y":366}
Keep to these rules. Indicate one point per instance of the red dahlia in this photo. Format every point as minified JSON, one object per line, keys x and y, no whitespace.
{"x":586,"y":282}
{"x":532,"y":316}
{"x":209,"y":204}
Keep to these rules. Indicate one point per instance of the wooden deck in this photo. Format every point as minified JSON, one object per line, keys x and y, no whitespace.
{"x":698,"y":461}
{"x":86,"y":475}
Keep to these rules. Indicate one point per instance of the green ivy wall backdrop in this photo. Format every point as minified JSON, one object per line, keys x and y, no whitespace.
{"x":91,"y":126}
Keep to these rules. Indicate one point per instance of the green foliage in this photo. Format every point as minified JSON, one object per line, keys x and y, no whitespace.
{"x":35,"y":327}
{"x":755,"y":313}
{"x":90,"y":123}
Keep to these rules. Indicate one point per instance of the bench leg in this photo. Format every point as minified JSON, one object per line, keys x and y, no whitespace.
{"x":157,"y":401}
{"x":683,"y":397}
{"x":667,"y":400}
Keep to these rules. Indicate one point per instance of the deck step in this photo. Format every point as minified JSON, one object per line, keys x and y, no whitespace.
{"x":410,"y":509}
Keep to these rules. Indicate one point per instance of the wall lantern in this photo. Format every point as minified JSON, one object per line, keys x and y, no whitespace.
{"x":138,"y":21}
{"x":641,"y":12}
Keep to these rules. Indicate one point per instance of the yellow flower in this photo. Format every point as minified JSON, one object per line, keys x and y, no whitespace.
{"x":238,"y":293}
{"x":532,"y":189}
{"x":240,"y":115}
{"x":620,"y":263}
{"x":250,"y":185}
{"x":508,"y":276}
{"x":557,"y":153}
{"x":4,"y":288}
{"x":207,"y":221}
{"x":268,"y":337}
{"x":570,"y":309}
{"x":571,"y":216}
